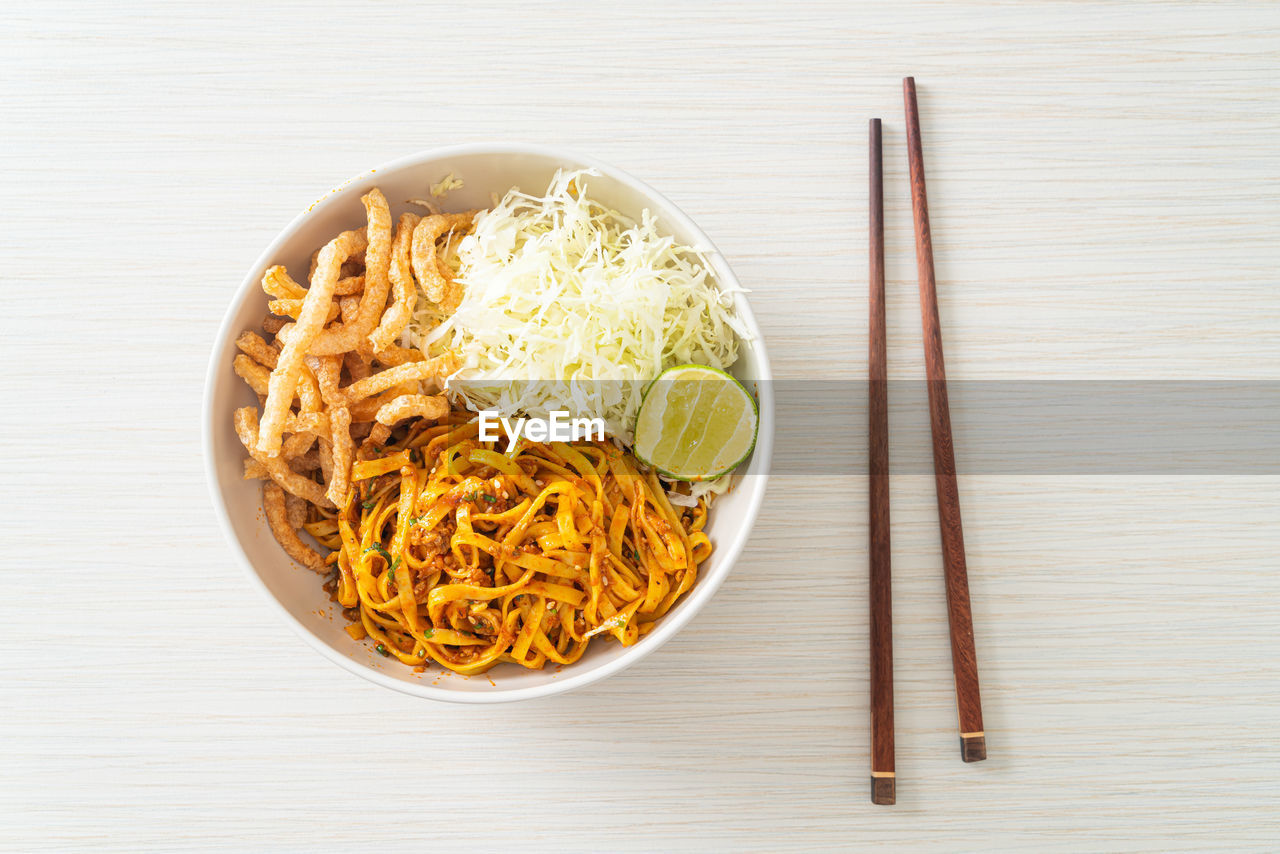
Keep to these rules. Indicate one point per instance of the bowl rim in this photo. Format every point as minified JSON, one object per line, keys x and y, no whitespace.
{"x":671,"y":624}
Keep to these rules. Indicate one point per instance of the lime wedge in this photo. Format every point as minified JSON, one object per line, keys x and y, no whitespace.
{"x":695,"y":423}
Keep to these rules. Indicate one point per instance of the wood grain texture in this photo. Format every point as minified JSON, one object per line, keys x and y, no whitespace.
{"x":964,"y":656}
{"x":1102,"y":184}
{"x":880,"y":592}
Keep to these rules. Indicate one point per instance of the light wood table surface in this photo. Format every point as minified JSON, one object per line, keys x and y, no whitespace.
{"x":1105,"y":193}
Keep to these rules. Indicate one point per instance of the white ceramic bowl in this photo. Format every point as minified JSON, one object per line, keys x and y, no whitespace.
{"x":485,"y":169}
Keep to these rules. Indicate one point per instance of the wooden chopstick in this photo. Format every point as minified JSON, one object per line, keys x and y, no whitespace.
{"x":964,"y":660}
{"x":883,"y":784}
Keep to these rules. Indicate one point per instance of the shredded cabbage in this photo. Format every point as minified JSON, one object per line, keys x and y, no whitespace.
{"x":445,"y":185}
{"x":569,"y":304}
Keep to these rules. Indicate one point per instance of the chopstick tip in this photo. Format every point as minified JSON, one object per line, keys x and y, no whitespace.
{"x":884,"y":791}
{"x":973,"y":748}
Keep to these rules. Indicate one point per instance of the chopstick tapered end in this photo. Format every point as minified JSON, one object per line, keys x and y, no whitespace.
{"x":884,"y":790}
{"x":973,"y":748}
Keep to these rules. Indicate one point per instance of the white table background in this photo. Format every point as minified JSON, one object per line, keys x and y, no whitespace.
{"x":1104,"y":183}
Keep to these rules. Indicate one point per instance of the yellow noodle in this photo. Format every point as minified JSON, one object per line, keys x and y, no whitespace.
{"x":461,"y":552}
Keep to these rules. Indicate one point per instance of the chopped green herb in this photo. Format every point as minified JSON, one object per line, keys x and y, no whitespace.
{"x":382,"y":650}
{"x":377,"y":547}
{"x":492,"y":499}
{"x":429,"y":633}
{"x":394,"y":564}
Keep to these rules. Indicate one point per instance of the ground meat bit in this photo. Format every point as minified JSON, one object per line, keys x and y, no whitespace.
{"x":481,"y":576}
{"x":430,"y":542}
{"x":383,"y":480}
{"x":435,"y":541}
